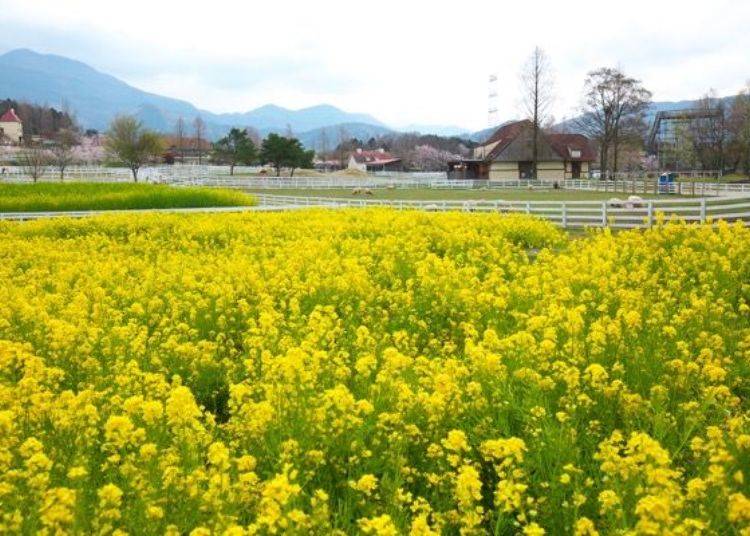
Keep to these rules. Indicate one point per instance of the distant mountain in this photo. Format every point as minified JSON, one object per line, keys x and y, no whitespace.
{"x":275,"y":117}
{"x":329,"y":135}
{"x":438,"y":130}
{"x":96,"y":98}
{"x":481,"y":135}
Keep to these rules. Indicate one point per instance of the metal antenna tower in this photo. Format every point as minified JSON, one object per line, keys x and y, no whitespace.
{"x":492,"y":114}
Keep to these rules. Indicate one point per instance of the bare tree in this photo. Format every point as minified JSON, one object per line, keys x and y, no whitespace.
{"x":738,"y":126}
{"x":323,"y":147}
{"x":684,"y":146}
{"x":708,"y":130}
{"x":132,"y":144}
{"x":537,"y":86}
{"x":343,"y":145}
{"x":199,"y":135}
{"x":62,"y":152}
{"x":179,"y":135}
{"x":612,"y":112}
{"x":254,"y":136}
{"x":34,"y":161}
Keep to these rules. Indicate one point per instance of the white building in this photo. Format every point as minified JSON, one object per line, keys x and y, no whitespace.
{"x":11,"y":128}
{"x":379,"y":160}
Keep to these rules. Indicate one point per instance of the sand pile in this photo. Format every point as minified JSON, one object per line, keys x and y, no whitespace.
{"x":350,"y":173}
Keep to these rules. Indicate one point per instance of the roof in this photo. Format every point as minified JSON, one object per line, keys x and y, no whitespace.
{"x":571,"y":147}
{"x":566,"y":146}
{"x":374,"y":157}
{"x":10,"y":117}
{"x":504,"y":135}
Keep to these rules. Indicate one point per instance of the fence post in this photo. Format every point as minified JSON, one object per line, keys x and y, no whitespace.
{"x":650,"y":213}
{"x":528,"y":207}
{"x":565,"y":215}
{"x":703,"y":210}
{"x":604,"y":213}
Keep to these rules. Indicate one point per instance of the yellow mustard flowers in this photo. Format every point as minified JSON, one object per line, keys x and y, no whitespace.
{"x":372,"y":372}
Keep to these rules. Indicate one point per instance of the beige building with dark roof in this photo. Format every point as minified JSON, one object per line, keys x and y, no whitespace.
{"x":508,"y":154}
{"x":379,"y":160}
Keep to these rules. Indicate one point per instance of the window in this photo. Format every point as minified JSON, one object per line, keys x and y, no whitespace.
{"x":575,"y":153}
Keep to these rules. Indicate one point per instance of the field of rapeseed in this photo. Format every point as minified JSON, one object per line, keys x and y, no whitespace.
{"x":113,"y":196}
{"x":372,"y":372}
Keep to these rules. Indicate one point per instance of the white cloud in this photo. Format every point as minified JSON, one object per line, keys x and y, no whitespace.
{"x":404,"y":62}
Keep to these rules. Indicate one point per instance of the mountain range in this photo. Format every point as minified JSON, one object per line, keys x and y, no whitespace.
{"x":96,"y":98}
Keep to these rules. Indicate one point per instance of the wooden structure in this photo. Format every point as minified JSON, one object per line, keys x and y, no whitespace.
{"x":508,"y":154}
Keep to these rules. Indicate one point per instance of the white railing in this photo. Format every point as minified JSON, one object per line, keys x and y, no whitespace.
{"x":633,"y":186}
{"x":317,"y":183}
{"x":640,"y":174}
{"x":567,"y":214}
{"x":211,"y":175}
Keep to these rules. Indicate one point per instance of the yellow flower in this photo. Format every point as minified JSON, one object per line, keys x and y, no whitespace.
{"x":378,"y":526}
{"x":608,"y":500}
{"x":585,"y":527}
{"x":456,"y":441}
{"x":154,"y":512}
{"x":367,"y":484}
{"x":533,"y":529}
{"x":77,"y":472}
{"x":57,"y":509}
{"x":468,"y":486}
{"x":739,"y":508}
{"x":218,"y":455}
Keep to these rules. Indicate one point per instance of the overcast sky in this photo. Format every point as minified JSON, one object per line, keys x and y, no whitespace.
{"x":401,"y":61}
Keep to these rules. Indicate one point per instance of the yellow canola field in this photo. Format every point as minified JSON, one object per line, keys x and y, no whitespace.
{"x":372,"y":372}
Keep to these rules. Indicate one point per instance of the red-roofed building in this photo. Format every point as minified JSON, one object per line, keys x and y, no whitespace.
{"x":378,"y":160}
{"x":507,"y":154}
{"x":11,"y":127}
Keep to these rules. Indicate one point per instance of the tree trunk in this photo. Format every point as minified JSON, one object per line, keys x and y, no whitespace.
{"x":231,"y":170}
{"x":62,"y":174}
{"x":534,"y":151}
{"x":135,"y":173}
{"x":615,"y":150}
{"x":291,"y":174}
{"x":278,"y":171}
{"x":535,"y":148}
{"x":603,"y":161}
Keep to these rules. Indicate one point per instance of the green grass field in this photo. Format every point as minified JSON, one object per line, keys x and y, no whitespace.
{"x":45,"y":197}
{"x":429,"y":194}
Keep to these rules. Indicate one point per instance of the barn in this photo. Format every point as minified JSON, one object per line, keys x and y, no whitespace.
{"x":507,"y":154}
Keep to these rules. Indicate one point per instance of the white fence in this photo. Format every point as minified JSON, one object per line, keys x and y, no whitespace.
{"x":567,"y":214}
{"x":620,"y":186}
{"x":647,"y":186}
{"x":218,"y":176}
